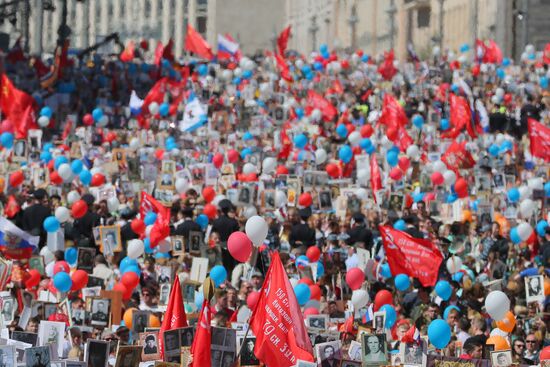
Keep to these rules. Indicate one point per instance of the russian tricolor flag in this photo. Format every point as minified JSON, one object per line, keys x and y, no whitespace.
{"x":228,"y":48}
{"x":14,"y":242}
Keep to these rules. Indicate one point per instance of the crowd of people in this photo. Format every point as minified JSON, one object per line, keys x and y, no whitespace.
{"x":136,"y":176}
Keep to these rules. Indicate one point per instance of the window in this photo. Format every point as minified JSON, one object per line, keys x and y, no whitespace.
{"x":201,"y":25}
{"x":423,"y":17}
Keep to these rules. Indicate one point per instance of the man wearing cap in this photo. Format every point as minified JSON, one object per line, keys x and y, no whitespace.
{"x":301,"y":235}
{"x":359,"y":233}
{"x":34,"y":216}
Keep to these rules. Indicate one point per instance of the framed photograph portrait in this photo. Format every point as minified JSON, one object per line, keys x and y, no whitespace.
{"x":140,"y":320}
{"x":128,"y":356}
{"x":171,"y":343}
{"x":317,"y":321}
{"x":96,"y":353}
{"x":379,"y":321}
{"x":329,"y":354}
{"x":374,"y":349}
{"x":534,"y":288}
{"x":195,"y":242}
{"x":414,"y":354}
{"x":325,"y":200}
{"x":20,"y":150}
{"x":119,"y":156}
{"x":168,"y":167}
{"x":8,"y":357}
{"x":52,"y":332}
{"x":186,"y":336}
{"x":188,"y":289}
{"x":248,"y":358}
{"x":101,"y":311}
{"x":110,"y":238}
{"x":150,"y":342}
{"x":178,"y":245}
{"x":8,"y":309}
{"x":165,"y":181}
{"x":501,"y":358}
{"x":245,"y":196}
{"x":25,"y":337}
{"x":49,"y":309}
{"x":164,"y":274}
{"x":37,"y":263}
{"x":40,"y":177}
{"x":86,"y":259}
{"x":355,"y":352}
{"x":37,"y":356}
{"x":164,"y":294}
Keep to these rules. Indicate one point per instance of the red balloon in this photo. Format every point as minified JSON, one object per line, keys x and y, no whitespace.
{"x":382,"y":298}
{"x":239,"y":246}
{"x":55,"y":178}
{"x":61,"y":266}
{"x":404,"y":163}
{"x":208,"y":193}
{"x":306,"y":281}
{"x":17,"y":178}
{"x":507,"y":98}
{"x":475,"y":70}
{"x":437,"y":178}
{"x":408,"y":201}
{"x":88,"y":119}
{"x":80,"y":279}
{"x":232,"y":156}
{"x":345,"y":64}
{"x":159,"y":153}
{"x":97,"y":180}
{"x":333,"y":170}
{"x":355,"y":278}
{"x":357,"y":150}
{"x":281,"y":170}
{"x":545,"y":353}
{"x":315,"y":291}
{"x":366,"y":130}
{"x":396,"y":173}
{"x":391,"y":133}
{"x":252,"y":299}
{"x":313,"y":254}
{"x":461,"y":187}
{"x":305,"y":199}
{"x":130,"y":280}
{"x":34,"y":278}
{"x":111,"y":136}
{"x":138,"y":226}
{"x":210,"y":211}
{"x":79,"y":208}
{"x":126,"y":293}
{"x":6,"y":127}
{"x":311,"y":311}
{"x":217,"y":160}
{"x":251,"y":177}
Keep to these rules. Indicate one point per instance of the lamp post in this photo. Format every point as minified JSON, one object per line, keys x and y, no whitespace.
{"x":441,"y":25}
{"x":352,"y":21}
{"x":313,"y":28}
{"x":391,"y":14}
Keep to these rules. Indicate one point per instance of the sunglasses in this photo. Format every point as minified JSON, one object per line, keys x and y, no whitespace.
{"x":520,"y":345}
{"x":531,"y":341}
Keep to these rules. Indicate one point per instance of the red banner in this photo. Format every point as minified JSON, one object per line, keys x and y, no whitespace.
{"x":316,"y":100}
{"x":200,"y":350}
{"x":539,"y":136}
{"x":393,"y":114}
{"x":161,"y":228}
{"x":282,"y":41}
{"x":461,"y":117}
{"x":415,"y":257}
{"x":175,"y":316}
{"x":457,"y":157}
{"x":277,"y":322}
{"x":375,"y":177}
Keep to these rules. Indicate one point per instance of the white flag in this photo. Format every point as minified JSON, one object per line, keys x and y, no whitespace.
{"x":194,"y":116}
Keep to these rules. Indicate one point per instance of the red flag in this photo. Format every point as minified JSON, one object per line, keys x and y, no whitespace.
{"x":393,"y":114}
{"x":196,"y":44}
{"x":277,"y":322}
{"x":375,"y":177}
{"x":128,"y":54}
{"x":539,"y":136}
{"x":158,"y":53}
{"x":283,"y":68}
{"x":337,"y":86}
{"x":167,"y":52}
{"x":316,"y":100}
{"x":461,"y":117}
{"x":546,"y":54}
{"x":493,"y":53}
{"x":457,"y":157}
{"x":174,"y":316}
{"x":411,"y":336}
{"x":200,"y":350}
{"x":404,"y":140}
{"x":12,"y":207}
{"x":282,"y":41}
{"x":418,"y":258}
{"x":67,"y":129}
{"x":161,"y":228}
{"x":386,"y":69}
{"x":18,"y":107}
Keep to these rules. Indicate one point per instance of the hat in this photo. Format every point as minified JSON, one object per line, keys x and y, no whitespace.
{"x":256,"y":273}
{"x":40,"y":194}
{"x":358,"y":217}
{"x":88,"y":199}
{"x":305,"y":212}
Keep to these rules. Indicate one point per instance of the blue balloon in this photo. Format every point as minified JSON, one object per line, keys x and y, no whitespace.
{"x":71,"y":255}
{"x":170,"y":140}
{"x":51,"y":224}
{"x":457,"y":277}
{"x":345,"y":154}
{"x":47,"y":147}
{"x":514,"y":236}
{"x":306,"y":69}
{"x":400,"y":225}
{"x":323,"y":48}
{"x":342,"y":130}
{"x":325,"y":55}
{"x":59,"y":160}
{"x":439,"y":333}
{"x":541,"y":227}
{"x":300,"y":141}
{"x":547,"y":189}
{"x":85,"y":177}
{"x":147,"y":246}
{"x":464,"y":47}
{"x":365,"y":58}
{"x":127,"y":262}
{"x":46,"y":111}
{"x":501,"y":73}
{"x":202,"y":220}
{"x":303,"y":293}
{"x":46,"y":156}
{"x":365,"y":143}
{"x":418,"y":197}
{"x":513,"y":195}
{"x":6,"y":139}
{"x":247,"y":74}
{"x":385,"y":270}
{"x":162,"y":255}
{"x":391,"y":315}
{"x":418,"y":121}
{"x":402,"y":282}
{"x":443,"y":289}
{"x":309,"y":76}
{"x":97,"y":114}
{"x":199,"y":299}
{"x":505,"y":61}
{"x":236,"y":80}
{"x":248,"y":136}
{"x":451,"y":198}
{"x":299,"y":112}
{"x":493,"y":150}
{"x":76,"y":166}
{"x":320,"y":269}
{"x":218,"y":274}
{"x":449,"y":309}
{"x":132,"y":269}
{"x":543,"y":82}
{"x":454,"y":88}
{"x":164,"y":109}
{"x":444,"y":124}
{"x":393,"y":158}
{"x":245,"y":152}
{"x":506,"y":146}
{"x":150,"y":218}
{"x":202,"y":69}
{"x":529,"y":272}
{"x":371,"y":149}
{"x":62,"y":282}
{"x":318,"y":66}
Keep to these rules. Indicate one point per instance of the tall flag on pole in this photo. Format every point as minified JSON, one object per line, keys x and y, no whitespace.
{"x":282,"y":41}
{"x":198,"y":45}
{"x":175,"y":316}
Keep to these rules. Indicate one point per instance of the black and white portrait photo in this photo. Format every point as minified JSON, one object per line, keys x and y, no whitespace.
{"x":177,"y":245}
{"x":97,"y":353}
{"x":355,"y":352}
{"x":414,"y":353}
{"x":140,"y":320}
{"x":164,"y":274}
{"x":128,"y":356}
{"x":86,"y":259}
{"x":8,"y":357}
{"x":245,"y":196}
{"x":52,"y":333}
{"x":149,"y":341}
{"x":374,"y":348}
{"x":25,"y":337}
{"x":37,"y":356}
{"x":186,"y":336}
{"x":501,"y":358}
{"x":101,"y":311}
{"x":317,"y":321}
{"x":8,"y":309}
{"x":110,"y":239}
{"x":329,"y":354}
{"x":534,"y":288}
{"x":195,"y":240}
{"x":379,"y":321}
{"x":20,"y":149}
{"x":171,"y":341}
{"x":164,"y":294}
{"x":189,"y":292}
{"x":248,"y":358}
{"x":325,"y":201}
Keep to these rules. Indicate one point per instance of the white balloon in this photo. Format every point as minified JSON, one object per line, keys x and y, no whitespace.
{"x":497,"y":305}
{"x":268,"y":166}
{"x":148,"y":230}
{"x":316,"y":115}
{"x":49,"y":269}
{"x":227,"y":75}
{"x":386,"y":143}
{"x":103,"y":121}
{"x":95,"y":170}
{"x":524,"y":192}
{"x":362,"y":193}
{"x":134,"y":143}
{"x":154,"y":108}
{"x":182,"y":184}
{"x":495,"y":100}
{"x":250,"y":211}
{"x":535,"y":183}
{"x":413,"y":152}
{"x":526,"y":208}
{"x":113,"y":204}
{"x":320,"y":156}
{"x":256,"y":229}
{"x":359,"y":298}
{"x":62,"y":214}
{"x":43,"y":121}
{"x":47,"y":254}
{"x":72,"y":196}
{"x":65,"y":172}
{"x":249,"y":168}
{"x":483,"y":68}
{"x":500,"y":93}
{"x":439,"y":166}
{"x":135,"y":248}
{"x":355,"y":138}
{"x":238,"y":72}
{"x":524,"y":231}
{"x":175,"y":152}
{"x":499,"y":139}
{"x":449,"y":177}
{"x":454,"y":264}
{"x":164,"y":246}
{"x":280,"y":199}
{"x":299,"y":63}
{"x":363,"y":175}
{"x":218,"y":198}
